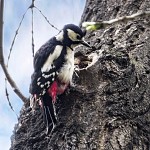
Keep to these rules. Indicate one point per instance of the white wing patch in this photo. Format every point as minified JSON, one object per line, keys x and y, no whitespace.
{"x":65,"y":74}
{"x":48,"y":64}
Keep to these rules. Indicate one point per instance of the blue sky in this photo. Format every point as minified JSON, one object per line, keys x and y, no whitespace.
{"x":59,"y":13}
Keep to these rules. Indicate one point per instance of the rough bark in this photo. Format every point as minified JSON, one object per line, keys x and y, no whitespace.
{"x":109,"y":108}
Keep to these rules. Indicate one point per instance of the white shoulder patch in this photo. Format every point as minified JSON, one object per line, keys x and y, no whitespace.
{"x":48,"y":63}
{"x":60,"y":36}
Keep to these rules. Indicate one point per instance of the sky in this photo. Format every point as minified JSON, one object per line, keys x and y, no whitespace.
{"x":20,"y":67}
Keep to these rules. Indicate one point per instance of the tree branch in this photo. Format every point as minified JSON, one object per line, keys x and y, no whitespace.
{"x":1,"y":30}
{"x":2,"y":62}
{"x":103,"y":24}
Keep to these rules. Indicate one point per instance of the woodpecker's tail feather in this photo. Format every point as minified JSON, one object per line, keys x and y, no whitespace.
{"x":48,"y":113}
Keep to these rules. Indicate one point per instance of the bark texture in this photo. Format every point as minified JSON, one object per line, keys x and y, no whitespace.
{"x":109,"y":108}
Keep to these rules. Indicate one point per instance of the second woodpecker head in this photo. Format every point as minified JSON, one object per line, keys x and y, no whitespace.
{"x":71,"y":36}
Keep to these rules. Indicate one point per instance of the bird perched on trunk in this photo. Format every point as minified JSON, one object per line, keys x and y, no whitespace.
{"x":53,"y":70}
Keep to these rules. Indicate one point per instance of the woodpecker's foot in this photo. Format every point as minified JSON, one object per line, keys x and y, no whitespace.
{"x":72,"y":87}
{"x":69,"y":90}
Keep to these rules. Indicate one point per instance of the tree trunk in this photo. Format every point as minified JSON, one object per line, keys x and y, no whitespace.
{"x":109,"y":107}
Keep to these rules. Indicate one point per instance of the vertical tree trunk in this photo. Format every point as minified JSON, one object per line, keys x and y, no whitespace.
{"x":109,"y":108}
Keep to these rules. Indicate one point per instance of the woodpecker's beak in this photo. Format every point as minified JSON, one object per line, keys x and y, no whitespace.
{"x":85,"y":43}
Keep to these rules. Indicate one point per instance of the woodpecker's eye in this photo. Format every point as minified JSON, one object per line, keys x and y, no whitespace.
{"x":78,"y":37}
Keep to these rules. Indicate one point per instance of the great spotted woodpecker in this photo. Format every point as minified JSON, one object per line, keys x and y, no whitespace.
{"x":53,"y":69}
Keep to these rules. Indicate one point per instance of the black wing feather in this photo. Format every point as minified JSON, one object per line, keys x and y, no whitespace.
{"x":40,"y":57}
{"x":43,"y":53}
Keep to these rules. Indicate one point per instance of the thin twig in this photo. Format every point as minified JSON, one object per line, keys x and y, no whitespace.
{"x":16,"y":36}
{"x":10,"y":80}
{"x":7,"y":96}
{"x":32,"y":4}
{"x":32,"y":31}
{"x":103,"y":24}
{"x":46,"y":19}
{"x":13,"y":84}
{"x":1,"y":30}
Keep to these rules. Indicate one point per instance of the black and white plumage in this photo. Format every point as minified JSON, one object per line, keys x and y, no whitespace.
{"x":53,"y":69}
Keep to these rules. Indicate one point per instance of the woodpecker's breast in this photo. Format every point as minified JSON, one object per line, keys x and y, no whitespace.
{"x":66,"y":72}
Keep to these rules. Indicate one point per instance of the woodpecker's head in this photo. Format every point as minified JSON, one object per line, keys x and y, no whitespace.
{"x":71,"y":36}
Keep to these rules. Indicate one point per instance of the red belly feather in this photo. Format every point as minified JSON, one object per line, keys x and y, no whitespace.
{"x":57,"y":88}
